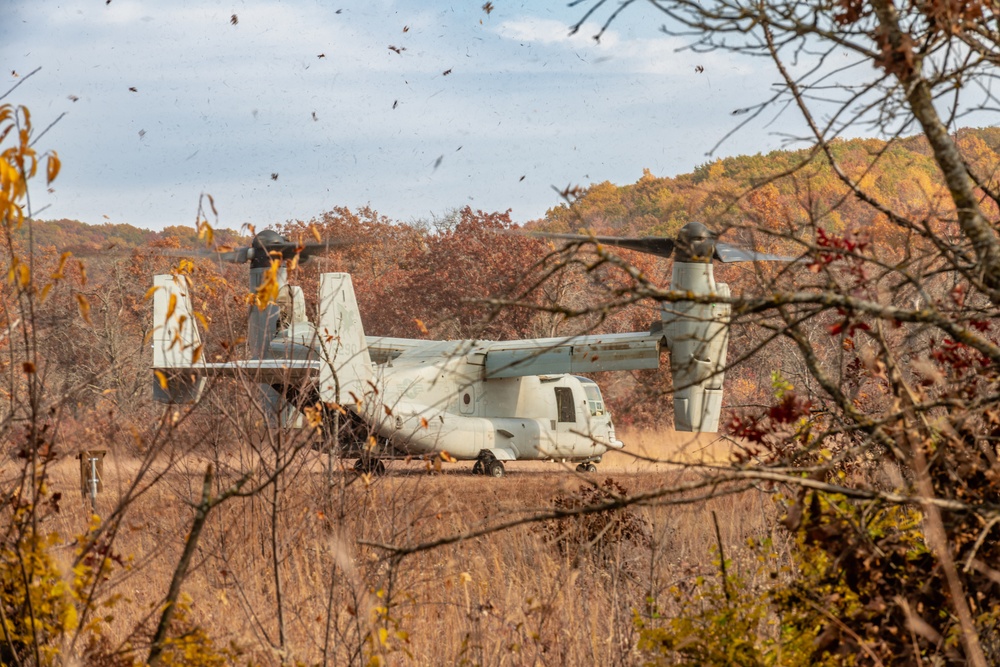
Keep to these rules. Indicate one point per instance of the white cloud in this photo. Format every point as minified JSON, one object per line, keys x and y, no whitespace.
{"x":551,"y":31}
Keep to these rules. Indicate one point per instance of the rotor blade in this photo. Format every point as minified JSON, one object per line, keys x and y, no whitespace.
{"x":237,"y":256}
{"x":651,"y":245}
{"x":730,"y":253}
{"x":306,"y":250}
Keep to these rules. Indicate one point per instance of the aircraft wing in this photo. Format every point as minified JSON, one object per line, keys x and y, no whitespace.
{"x":578,"y":354}
{"x":383,"y":349}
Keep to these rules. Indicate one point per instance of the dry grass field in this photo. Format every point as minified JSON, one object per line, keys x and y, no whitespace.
{"x":540,"y":593}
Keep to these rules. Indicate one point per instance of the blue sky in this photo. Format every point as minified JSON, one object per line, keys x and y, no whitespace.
{"x":218,"y":108}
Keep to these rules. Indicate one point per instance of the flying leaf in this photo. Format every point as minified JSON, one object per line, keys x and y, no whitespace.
{"x":52,"y":167}
{"x":171,"y":305}
{"x":150,"y":292}
{"x":161,"y":379}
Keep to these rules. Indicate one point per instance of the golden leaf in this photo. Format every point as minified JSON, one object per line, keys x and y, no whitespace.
{"x":84,"y":307}
{"x":162,"y":379}
{"x":445,"y":456}
{"x":52,"y":167}
{"x":150,"y":292}
{"x":171,"y":305}
{"x":196,"y":354}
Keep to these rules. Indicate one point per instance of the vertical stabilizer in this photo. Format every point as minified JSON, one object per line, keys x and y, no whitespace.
{"x":347,"y":368}
{"x":175,"y":342}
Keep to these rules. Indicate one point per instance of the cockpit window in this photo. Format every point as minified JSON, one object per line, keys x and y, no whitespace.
{"x":594,"y":400}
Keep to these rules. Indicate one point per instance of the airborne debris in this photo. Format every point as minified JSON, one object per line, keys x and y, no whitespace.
{"x":234,"y":19}
{"x":274,"y":175}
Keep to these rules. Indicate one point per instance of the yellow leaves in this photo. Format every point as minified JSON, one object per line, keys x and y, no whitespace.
{"x":205,"y":231}
{"x":314,"y":416}
{"x":267,"y":293}
{"x":421,"y":327}
{"x":171,"y":306}
{"x":52,"y":167}
{"x":60,"y":270}
{"x":149,"y":293}
{"x":84,"y":307}
{"x":19,"y":274}
{"x":446,"y":457}
{"x":161,"y":379}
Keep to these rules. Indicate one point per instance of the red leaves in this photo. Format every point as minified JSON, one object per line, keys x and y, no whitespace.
{"x":850,"y":11}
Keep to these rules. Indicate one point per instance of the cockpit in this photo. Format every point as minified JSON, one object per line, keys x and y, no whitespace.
{"x":595,"y":402}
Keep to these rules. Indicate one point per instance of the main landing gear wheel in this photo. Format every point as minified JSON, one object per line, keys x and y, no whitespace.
{"x":495,"y":468}
{"x":370,"y":466}
{"x":586,"y":467}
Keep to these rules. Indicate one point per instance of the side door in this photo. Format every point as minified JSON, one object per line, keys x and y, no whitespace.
{"x":566,"y":421}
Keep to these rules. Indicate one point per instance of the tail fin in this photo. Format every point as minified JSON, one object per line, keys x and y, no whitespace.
{"x":175,"y":342}
{"x":347,"y":366}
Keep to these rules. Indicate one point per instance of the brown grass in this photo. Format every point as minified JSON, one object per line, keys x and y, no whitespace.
{"x":509,"y":598}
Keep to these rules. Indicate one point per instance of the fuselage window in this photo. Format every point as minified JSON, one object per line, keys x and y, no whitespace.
{"x":594,"y":400}
{"x":564,"y":404}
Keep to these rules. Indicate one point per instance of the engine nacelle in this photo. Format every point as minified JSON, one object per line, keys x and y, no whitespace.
{"x":698,"y":337}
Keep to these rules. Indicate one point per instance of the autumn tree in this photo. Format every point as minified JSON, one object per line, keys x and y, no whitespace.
{"x":891,"y":313}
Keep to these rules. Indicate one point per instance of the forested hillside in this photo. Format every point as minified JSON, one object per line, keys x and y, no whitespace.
{"x":433,"y":279}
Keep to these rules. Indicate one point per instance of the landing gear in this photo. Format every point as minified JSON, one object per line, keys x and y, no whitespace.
{"x":488,"y":465}
{"x":370,"y":466}
{"x":586,"y":467}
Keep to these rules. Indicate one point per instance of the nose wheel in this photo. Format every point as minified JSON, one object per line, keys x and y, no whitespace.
{"x":586,"y":467}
